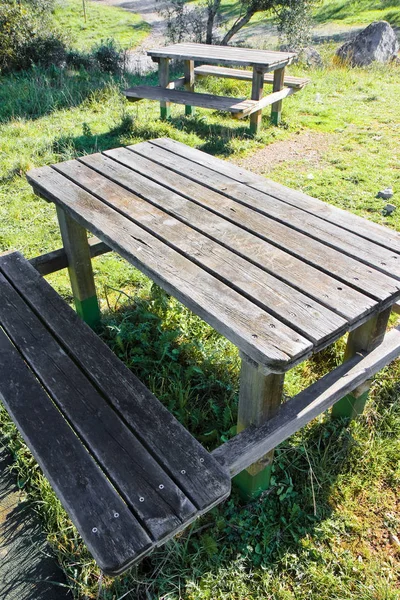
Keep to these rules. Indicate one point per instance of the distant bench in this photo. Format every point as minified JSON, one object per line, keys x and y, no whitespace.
{"x":289,"y":81}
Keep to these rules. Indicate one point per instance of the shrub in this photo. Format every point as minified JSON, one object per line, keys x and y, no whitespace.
{"x":26,"y":37}
{"x":109,"y":57}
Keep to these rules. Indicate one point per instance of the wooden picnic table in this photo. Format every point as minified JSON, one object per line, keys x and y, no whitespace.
{"x":267,"y":67}
{"x":280,"y":274}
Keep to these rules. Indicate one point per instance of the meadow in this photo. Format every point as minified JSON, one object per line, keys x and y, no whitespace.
{"x":326,"y":528}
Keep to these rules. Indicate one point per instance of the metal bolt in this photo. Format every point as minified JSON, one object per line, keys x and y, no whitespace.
{"x":116,"y":515}
{"x":202,"y":460}
{"x":183,"y":472}
{"x":141,"y":499}
{"x":94,"y":530}
{"x":161,"y":486}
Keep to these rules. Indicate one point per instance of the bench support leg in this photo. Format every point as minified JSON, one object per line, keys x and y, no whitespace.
{"x":256,"y":94}
{"x":276,"y":109}
{"x":189,"y":83}
{"x":80,"y":271}
{"x":259,"y":399}
{"x":365,"y":338}
{"x":163,"y":80}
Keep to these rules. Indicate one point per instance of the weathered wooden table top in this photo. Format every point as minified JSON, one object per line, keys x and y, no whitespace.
{"x":277,"y":272}
{"x":224,"y":55}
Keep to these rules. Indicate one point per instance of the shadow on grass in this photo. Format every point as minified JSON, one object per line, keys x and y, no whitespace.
{"x":194,"y":372}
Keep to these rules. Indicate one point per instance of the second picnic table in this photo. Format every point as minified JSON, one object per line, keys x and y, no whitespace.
{"x":267,"y":67}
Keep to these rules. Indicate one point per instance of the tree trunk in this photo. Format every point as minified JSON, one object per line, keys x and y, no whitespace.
{"x":239,"y":23}
{"x":213,"y":8}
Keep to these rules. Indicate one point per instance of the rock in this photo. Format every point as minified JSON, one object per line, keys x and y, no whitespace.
{"x":377,"y":42}
{"x":311,"y":57}
{"x":385,"y":194}
{"x":389,"y":209}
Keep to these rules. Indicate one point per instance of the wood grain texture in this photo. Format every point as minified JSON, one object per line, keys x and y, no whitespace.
{"x":224,"y":103}
{"x":223,"y":55}
{"x":258,"y":334}
{"x":57,"y":259}
{"x":379,"y":234}
{"x":85,"y":493}
{"x":243,"y":75}
{"x":128,"y":464}
{"x":318,"y":234}
{"x":245,"y":448}
{"x":189,"y":465}
{"x":293,"y":308}
{"x":279,"y":241}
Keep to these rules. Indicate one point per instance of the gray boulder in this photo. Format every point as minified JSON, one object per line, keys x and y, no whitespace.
{"x":311,"y":57}
{"x":377,"y":42}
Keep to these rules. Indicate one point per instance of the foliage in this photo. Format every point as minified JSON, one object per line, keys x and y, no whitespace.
{"x":203,"y":22}
{"x":27,"y":37}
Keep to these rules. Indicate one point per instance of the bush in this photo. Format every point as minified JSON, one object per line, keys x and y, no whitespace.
{"x":26,"y":38}
{"x":109,"y":57}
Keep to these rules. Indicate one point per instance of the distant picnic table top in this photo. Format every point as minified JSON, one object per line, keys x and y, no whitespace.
{"x":279,"y":273}
{"x":225,"y":55}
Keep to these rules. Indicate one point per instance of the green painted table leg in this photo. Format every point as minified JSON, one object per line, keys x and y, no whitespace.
{"x":188,"y":69}
{"x":350,"y":406}
{"x":250,"y":486}
{"x":275,"y":117}
{"x":165,"y":111}
{"x":163,"y":80}
{"x":278,"y":84}
{"x":189,"y":110}
{"x":89,"y":310}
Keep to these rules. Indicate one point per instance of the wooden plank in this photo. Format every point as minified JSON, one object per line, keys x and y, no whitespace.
{"x":307,"y":250}
{"x":190,"y":465}
{"x":245,"y":448}
{"x":279,"y":93}
{"x":363,"y":339}
{"x":225,"y":310}
{"x":223,"y":55}
{"x":292,"y":308}
{"x":224,"y":103}
{"x":188,"y":67}
{"x":129,"y":466}
{"x":396,"y":308}
{"x":243,"y":75}
{"x":378,"y":234}
{"x":274,"y":98}
{"x":80,"y":270}
{"x":163,"y":80}
{"x":84,"y":491}
{"x":256,"y":94}
{"x":291,"y":217}
{"x":57,"y":259}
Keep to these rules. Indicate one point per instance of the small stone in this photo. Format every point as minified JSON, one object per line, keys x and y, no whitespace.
{"x":318,"y":98}
{"x":385,"y":194}
{"x":310,"y":176}
{"x":389,"y":209}
{"x":394,"y":540}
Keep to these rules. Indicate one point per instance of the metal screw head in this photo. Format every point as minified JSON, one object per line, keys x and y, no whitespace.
{"x":202,"y":460}
{"x":141,"y":499}
{"x":116,"y":515}
{"x":94,"y":530}
{"x":183,"y":472}
{"x":161,"y":486}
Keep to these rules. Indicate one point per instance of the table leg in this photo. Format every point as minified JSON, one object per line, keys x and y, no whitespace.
{"x":256,"y":94}
{"x":80,"y":271}
{"x":163,"y":80}
{"x":363,"y":339}
{"x":259,"y":399}
{"x":276,"y":108}
{"x":189,"y":83}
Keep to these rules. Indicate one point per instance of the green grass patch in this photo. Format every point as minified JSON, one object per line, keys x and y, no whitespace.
{"x":358,"y":12}
{"x":322,"y":532}
{"x":102,"y":22}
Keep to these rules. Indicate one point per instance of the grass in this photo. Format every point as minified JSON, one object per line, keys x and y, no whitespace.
{"x":358,"y":12}
{"x":323,"y":531}
{"x":102,"y":22}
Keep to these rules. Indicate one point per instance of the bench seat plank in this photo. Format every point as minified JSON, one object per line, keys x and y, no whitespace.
{"x":224,"y":103}
{"x":375,"y":232}
{"x":85,"y":493}
{"x":203,"y":481}
{"x":243,"y":75}
{"x":129,"y":465}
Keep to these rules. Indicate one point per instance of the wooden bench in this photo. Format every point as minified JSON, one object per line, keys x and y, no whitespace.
{"x":239,"y":107}
{"x":127,"y":473}
{"x":228,"y":73}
